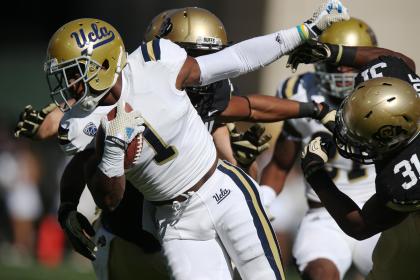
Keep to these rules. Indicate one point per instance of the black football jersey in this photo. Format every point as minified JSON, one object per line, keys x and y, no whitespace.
{"x":388,"y":66}
{"x":398,"y":178}
{"x":210,"y":101}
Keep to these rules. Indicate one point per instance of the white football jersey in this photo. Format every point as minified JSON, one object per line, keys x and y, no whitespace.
{"x":353,"y":179}
{"x":178,"y":150}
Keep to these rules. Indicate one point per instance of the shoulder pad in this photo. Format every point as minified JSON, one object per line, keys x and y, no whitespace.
{"x":291,"y":85}
{"x":151,"y":50}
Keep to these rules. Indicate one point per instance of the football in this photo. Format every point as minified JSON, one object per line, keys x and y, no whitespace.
{"x":133,"y":149}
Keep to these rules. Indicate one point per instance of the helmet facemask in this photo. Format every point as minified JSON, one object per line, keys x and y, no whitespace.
{"x":335,"y":83}
{"x":63,"y":77}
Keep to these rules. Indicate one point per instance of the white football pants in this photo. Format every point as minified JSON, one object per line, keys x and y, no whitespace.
{"x":223,"y":219}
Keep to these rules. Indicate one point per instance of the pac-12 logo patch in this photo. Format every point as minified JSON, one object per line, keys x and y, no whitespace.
{"x":90,"y":129}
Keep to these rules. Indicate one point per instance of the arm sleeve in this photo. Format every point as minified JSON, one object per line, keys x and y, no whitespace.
{"x":247,"y":56}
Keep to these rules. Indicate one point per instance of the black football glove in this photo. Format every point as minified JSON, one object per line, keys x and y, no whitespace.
{"x":30,"y":120}
{"x":247,"y":146}
{"x":316,"y":153}
{"x":325,"y":115}
{"x":77,"y":229}
{"x":310,"y":52}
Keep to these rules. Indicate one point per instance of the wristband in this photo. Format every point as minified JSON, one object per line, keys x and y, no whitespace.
{"x":341,"y":55}
{"x":112,"y":163}
{"x":307,"y":110}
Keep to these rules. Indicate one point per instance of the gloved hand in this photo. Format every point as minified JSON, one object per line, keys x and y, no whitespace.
{"x":310,"y":52}
{"x":78,"y":230}
{"x":119,"y":132}
{"x":247,"y":146}
{"x":316,"y":153}
{"x":326,"y":14}
{"x":123,"y":128}
{"x":30,"y":120}
{"x":325,"y":115}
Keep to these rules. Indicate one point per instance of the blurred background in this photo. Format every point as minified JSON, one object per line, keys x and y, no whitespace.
{"x":31,"y":243}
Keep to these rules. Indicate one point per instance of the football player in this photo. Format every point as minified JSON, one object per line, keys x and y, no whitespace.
{"x":200,"y":32}
{"x":91,"y":82}
{"x":31,"y":119}
{"x":321,"y":249}
{"x":372,"y":128}
{"x":377,"y":124}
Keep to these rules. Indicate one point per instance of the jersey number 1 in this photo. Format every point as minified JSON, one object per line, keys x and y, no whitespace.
{"x":163,"y":151}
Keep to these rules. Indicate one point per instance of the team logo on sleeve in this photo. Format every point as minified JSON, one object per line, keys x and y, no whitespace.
{"x":90,"y":129}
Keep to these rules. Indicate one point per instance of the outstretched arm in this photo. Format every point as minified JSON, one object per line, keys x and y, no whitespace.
{"x":357,"y":57}
{"x":39,"y":125}
{"x":357,"y":223}
{"x":262,"y":108}
{"x":257,"y":52}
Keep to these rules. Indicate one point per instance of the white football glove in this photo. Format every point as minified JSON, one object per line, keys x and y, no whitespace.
{"x":119,"y":132}
{"x":326,"y":14}
{"x":124,"y":127}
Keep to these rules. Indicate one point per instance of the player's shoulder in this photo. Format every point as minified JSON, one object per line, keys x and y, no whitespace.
{"x":385,"y":66}
{"x":396,"y":180}
{"x":161,"y":51}
{"x":77,"y":128}
{"x":300,"y":87}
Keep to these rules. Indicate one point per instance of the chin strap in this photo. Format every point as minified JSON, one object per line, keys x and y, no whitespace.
{"x":90,"y":102}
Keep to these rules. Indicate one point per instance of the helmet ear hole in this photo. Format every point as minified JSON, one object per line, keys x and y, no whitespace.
{"x":105,"y":64}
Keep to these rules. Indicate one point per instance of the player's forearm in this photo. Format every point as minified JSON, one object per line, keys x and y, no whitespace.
{"x":107,"y":192}
{"x":273,"y":109}
{"x":248,"y":55}
{"x":343,"y":209}
{"x":49,"y":127}
{"x":358,"y":57}
{"x":274,"y":177}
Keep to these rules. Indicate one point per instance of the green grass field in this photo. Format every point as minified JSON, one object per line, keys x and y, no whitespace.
{"x":63,"y":272}
{"x":37,"y":272}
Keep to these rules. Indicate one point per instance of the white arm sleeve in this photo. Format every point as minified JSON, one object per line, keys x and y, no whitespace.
{"x":247,"y":56}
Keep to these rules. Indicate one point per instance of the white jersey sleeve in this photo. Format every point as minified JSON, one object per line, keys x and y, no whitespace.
{"x":78,"y":128}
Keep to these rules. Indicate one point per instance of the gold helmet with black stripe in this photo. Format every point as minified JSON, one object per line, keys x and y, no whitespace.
{"x":195,"y":29}
{"x":381,"y":116}
{"x":338,"y":81}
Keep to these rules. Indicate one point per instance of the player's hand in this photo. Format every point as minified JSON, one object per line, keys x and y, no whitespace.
{"x":30,"y":120}
{"x":78,"y":230}
{"x":316,"y":153}
{"x":326,"y":14}
{"x":328,"y":120}
{"x":325,"y":115}
{"x":120,"y":131}
{"x":247,"y":146}
{"x":310,"y":52}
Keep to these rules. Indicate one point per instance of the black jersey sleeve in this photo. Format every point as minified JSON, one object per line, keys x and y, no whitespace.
{"x":398,"y":178}
{"x":388,"y":66}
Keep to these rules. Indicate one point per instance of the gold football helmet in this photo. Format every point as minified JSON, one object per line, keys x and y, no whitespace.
{"x":351,"y":33}
{"x":88,"y":52}
{"x":197,"y":30}
{"x":154,"y":29}
{"x":379,"y":117}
